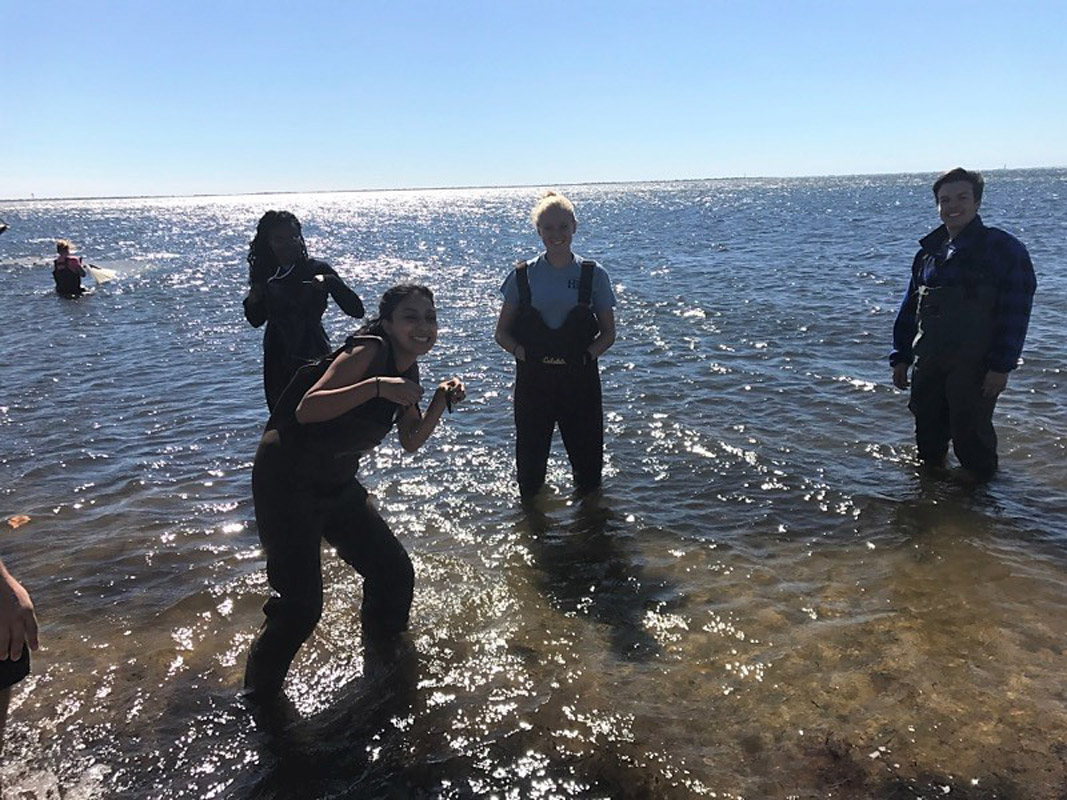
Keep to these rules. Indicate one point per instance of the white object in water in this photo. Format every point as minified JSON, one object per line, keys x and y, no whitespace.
{"x":101,"y":275}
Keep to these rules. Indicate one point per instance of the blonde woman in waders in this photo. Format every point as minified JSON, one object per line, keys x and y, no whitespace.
{"x":557,"y":320}
{"x":305,"y":487}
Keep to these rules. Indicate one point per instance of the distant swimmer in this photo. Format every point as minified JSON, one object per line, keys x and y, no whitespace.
{"x":68,"y":271}
{"x":305,"y":487}
{"x":288,"y":291}
{"x":962,"y":322}
{"x":557,"y":319}
{"x":3,"y":226}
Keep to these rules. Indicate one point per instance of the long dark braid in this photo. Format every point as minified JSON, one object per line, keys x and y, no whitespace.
{"x":261,"y":260}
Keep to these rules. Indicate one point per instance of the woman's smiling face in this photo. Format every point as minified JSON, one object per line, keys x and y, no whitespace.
{"x":413,"y":327}
{"x":556,"y":227}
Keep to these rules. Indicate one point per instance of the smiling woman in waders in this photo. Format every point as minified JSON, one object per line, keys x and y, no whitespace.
{"x":288,"y":291}
{"x":305,"y":487}
{"x":557,"y":320}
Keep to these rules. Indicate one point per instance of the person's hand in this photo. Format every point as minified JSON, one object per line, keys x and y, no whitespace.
{"x":454,"y":391}
{"x":18,"y":623}
{"x":532,"y":353}
{"x":518,"y":356}
{"x":994,"y":383}
{"x":900,"y":376}
{"x":580,"y":358}
{"x":400,"y":390}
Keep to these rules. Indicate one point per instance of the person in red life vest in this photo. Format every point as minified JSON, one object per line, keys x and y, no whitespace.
{"x":67,"y":270}
{"x":557,"y":319}
{"x":288,"y":291}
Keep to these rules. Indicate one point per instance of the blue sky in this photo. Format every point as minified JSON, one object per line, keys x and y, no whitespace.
{"x":147,"y":97}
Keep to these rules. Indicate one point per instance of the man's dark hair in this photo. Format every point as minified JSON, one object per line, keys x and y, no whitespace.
{"x":960,"y":174}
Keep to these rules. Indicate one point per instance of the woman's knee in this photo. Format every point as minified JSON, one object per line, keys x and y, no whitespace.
{"x":298,"y":615}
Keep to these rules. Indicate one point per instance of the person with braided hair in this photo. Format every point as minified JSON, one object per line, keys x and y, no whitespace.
{"x":287,"y":291}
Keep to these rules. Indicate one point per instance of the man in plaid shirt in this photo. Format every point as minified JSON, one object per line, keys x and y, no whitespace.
{"x":963,"y":323}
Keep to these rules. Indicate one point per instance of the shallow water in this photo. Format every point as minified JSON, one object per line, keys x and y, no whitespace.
{"x":768,"y":600}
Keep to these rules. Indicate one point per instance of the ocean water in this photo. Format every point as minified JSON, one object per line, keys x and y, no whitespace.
{"x":768,"y":600}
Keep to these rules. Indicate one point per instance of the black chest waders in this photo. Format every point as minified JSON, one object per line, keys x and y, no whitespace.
{"x":305,"y":490}
{"x":294,"y":335}
{"x":558,"y":383}
{"x":68,"y":282}
{"x":955,"y":332}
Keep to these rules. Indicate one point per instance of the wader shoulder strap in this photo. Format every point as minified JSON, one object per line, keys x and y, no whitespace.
{"x":525,"y":298}
{"x":585,"y":283}
{"x":307,"y":375}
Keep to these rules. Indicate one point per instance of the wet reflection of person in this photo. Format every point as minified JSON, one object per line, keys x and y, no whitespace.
{"x":354,"y":741}
{"x":305,"y":488}
{"x":586,"y":570}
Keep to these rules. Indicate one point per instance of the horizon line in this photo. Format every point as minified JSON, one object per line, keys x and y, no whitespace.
{"x":33,"y":199}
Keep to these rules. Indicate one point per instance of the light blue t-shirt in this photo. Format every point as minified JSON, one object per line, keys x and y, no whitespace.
{"x":554,"y":290}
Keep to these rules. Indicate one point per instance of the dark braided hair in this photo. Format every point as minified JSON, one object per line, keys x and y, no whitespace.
{"x":261,"y":260}
{"x":390,"y":300}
